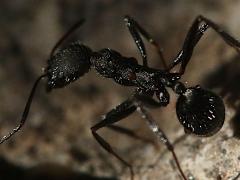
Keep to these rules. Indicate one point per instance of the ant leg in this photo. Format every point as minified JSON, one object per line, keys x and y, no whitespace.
{"x":199,"y":26}
{"x":160,"y":134}
{"x":150,"y":102}
{"x":147,"y":98}
{"x":131,"y":134}
{"x":25,"y":112}
{"x":137,"y":39}
{"x":231,"y":41}
{"x":121,"y":111}
{"x":134,"y":28}
{"x":66,"y":35}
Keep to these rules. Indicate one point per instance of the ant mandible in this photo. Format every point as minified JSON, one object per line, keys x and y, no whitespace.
{"x":201,"y":112}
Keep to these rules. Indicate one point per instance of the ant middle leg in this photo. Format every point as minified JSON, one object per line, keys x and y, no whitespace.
{"x":196,"y":31}
{"x":121,"y":111}
{"x":135,"y":29}
{"x":131,"y":134}
{"x":160,"y":134}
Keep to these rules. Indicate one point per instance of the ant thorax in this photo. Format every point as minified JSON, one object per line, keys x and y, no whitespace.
{"x":146,"y":80}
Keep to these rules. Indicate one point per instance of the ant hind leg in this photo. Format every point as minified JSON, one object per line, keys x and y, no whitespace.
{"x":196,"y":31}
{"x":160,"y":134}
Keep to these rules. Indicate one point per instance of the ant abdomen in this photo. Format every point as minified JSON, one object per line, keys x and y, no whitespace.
{"x":201,"y":112}
{"x":67,"y":65}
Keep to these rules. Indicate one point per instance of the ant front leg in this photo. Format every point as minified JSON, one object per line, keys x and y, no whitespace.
{"x":134,"y":28}
{"x":160,"y":134}
{"x":121,"y":111}
{"x":199,"y":26}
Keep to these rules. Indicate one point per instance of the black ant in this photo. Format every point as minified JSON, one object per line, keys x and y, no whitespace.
{"x":201,"y":112}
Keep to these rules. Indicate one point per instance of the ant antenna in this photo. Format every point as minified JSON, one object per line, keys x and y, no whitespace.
{"x":66,"y":35}
{"x":25,"y":112}
{"x":30,"y":98}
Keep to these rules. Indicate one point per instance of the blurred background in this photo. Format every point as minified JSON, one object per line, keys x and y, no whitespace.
{"x":56,"y":141}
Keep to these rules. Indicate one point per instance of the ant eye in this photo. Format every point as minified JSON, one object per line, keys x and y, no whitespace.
{"x":201,"y":112}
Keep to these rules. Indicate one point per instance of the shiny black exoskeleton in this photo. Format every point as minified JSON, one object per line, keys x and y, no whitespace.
{"x":201,"y":112}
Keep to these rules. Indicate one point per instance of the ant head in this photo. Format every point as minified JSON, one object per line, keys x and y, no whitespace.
{"x":67,"y":65}
{"x":201,"y":112}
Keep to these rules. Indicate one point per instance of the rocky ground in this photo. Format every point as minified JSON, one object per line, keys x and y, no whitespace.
{"x":56,"y":142}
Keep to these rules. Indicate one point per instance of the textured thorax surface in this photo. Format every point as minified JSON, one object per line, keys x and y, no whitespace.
{"x":111,"y":64}
{"x":123,"y":70}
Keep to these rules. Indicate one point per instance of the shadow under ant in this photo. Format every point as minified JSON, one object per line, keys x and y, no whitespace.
{"x":45,"y":171}
{"x":225,"y":78}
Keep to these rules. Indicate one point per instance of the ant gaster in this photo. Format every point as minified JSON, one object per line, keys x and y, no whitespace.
{"x":201,"y":112}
